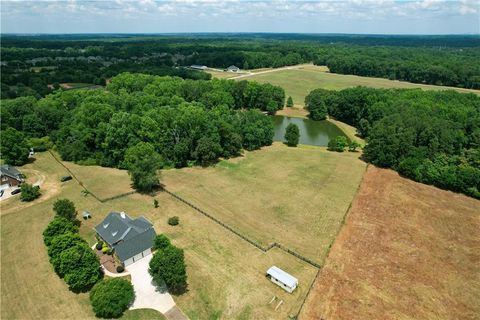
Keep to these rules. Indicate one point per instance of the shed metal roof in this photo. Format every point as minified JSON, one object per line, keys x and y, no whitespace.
{"x":282,"y":276}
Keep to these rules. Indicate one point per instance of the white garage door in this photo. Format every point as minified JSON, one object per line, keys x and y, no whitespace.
{"x":147,"y":252}
{"x":137,"y":257}
{"x":128,"y":261}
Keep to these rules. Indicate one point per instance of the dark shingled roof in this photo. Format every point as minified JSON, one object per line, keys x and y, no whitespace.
{"x":126,"y":235}
{"x":11,"y":171}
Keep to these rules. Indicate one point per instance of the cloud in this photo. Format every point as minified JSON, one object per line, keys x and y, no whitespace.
{"x":259,"y":12}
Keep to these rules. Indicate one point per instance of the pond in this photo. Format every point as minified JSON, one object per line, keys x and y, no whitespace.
{"x":316,"y":133}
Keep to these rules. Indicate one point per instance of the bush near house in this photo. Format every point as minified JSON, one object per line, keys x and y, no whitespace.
{"x":29,"y":192}
{"x":161,"y":242}
{"x":111,"y":297}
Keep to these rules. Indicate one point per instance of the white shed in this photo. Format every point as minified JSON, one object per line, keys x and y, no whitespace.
{"x":283,"y":279}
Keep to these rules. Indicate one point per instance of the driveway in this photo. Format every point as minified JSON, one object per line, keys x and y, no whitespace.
{"x":147,"y":293}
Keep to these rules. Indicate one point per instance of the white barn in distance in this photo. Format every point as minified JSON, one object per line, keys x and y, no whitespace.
{"x":282,"y":279}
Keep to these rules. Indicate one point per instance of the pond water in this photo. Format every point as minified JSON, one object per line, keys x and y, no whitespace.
{"x":316,"y":133}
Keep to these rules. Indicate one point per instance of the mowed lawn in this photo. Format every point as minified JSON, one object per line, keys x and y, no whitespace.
{"x":299,"y":82}
{"x":293,"y":196}
{"x":226,"y":275}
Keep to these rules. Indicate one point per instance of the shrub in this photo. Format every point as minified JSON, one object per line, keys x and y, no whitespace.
{"x":339,"y":143}
{"x":161,"y":242}
{"x":120,"y":269}
{"x":155,"y":203}
{"x":168,"y":265}
{"x":290,"y":102}
{"x":99,"y":246}
{"x":105,"y":249}
{"x":173,"y":221}
{"x":29,"y":192}
{"x":292,"y":135}
{"x":65,"y":208}
{"x":56,"y":227}
{"x":111,"y":297}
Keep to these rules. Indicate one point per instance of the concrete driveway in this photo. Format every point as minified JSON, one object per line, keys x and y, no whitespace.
{"x":147,"y":294}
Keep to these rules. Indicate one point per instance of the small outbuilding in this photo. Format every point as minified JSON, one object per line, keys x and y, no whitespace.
{"x":232,"y":69}
{"x":282,"y":279}
{"x":86,"y":215}
{"x":198,"y":67}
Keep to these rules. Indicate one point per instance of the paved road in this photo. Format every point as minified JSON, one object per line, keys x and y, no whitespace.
{"x":148,"y":295}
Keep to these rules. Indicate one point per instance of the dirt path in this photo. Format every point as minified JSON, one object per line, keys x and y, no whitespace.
{"x":251,"y":74}
{"x":407,"y":251}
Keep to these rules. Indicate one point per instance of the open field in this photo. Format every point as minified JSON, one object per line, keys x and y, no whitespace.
{"x":298,"y":82}
{"x":407,"y":251}
{"x":294,"y":196}
{"x":226,"y":274}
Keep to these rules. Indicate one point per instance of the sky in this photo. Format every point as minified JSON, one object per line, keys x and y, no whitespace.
{"x":279,"y":16}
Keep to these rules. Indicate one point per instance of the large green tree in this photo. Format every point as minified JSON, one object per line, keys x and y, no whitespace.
{"x":143,"y":162}
{"x":65,"y":208}
{"x":168,"y":265}
{"x":14,"y":148}
{"x":56,"y":227}
{"x":80,"y":267}
{"x":315,"y":104}
{"x":111,"y":297}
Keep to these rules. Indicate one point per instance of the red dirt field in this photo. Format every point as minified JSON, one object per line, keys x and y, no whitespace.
{"x":406,"y":251}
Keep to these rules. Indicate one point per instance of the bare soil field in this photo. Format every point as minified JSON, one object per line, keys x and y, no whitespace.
{"x":407,"y":251}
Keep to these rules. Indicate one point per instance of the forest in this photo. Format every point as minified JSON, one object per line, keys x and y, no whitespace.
{"x":36,"y":65}
{"x":430,"y":137}
{"x":184,"y":122}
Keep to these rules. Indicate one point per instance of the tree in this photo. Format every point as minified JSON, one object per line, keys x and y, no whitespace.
{"x":80,"y":267}
{"x":111,"y":297}
{"x":56,"y":227}
{"x":353,"y":145}
{"x":168,"y":266}
{"x":14,"y":148}
{"x":207,"y":151}
{"x":315,"y":104}
{"x":143,"y":162}
{"x":61,"y":243}
{"x":292,"y":135}
{"x":339,"y":143}
{"x":29,"y":192}
{"x":66,"y":209}
{"x":290,"y":102}
{"x":161,"y":242}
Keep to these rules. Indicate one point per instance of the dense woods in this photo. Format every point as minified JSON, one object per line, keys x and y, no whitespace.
{"x":431,"y":137}
{"x":185,"y":122}
{"x":37,"y":65}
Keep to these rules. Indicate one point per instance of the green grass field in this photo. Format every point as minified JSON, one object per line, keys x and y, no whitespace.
{"x":225,"y":274}
{"x":299,"y":82}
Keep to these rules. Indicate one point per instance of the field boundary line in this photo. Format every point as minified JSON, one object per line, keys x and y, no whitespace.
{"x":250,"y":241}
{"x":85,"y":188}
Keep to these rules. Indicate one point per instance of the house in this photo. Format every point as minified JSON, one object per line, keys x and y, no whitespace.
{"x":232,"y":69}
{"x":131,"y":239}
{"x":10,"y":177}
{"x":282,"y":279}
{"x":198,"y":67}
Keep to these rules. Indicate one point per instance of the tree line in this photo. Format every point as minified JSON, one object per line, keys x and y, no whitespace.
{"x":176,"y":122}
{"x":429,"y":136}
{"x":36,"y":65}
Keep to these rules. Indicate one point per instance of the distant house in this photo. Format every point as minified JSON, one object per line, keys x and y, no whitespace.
{"x":282,"y":279}
{"x":198,"y":67}
{"x":232,"y":69}
{"x":10,"y":177}
{"x":131,"y":239}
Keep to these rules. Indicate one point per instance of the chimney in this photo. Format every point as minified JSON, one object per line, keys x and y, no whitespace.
{"x":122,"y":214}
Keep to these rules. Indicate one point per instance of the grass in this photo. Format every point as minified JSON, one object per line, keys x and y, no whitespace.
{"x":299,"y":82}
{"x":406,"y":247}
{"x":226,"y":275}
{"x":142,"y":314}
{"x":295,"y":196}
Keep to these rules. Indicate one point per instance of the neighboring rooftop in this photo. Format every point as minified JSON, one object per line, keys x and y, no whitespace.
{"x":11,"y":171}
{"x":282,"y":276}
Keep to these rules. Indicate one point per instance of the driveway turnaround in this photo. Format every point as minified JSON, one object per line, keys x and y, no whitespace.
{"x":147,"y":294}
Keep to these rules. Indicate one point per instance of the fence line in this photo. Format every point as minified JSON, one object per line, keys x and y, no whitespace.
{"x":250,"y":241}
{"x":85,"y":188}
